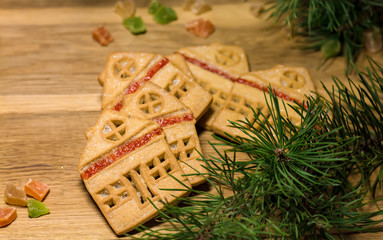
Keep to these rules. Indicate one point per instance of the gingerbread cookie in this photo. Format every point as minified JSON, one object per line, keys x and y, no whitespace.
{"x":152,"y":102}
{"x":223,"y":71}
{"x":214,"y":66}
{"x":125,"y":164}
{"x":170,"y":73}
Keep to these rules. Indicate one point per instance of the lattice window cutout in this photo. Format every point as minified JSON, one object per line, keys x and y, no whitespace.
{"x":159,"y":166}
{"x":114,"y":130}
{"x":114,"y":194}
{"x":138,"y":187}
{"x":150,"y":103}
{"x":227,"y":57}
{"x":219,"y":97}
{"x":292,"y":79}
{"x":124,"y":68}
{"x":133,"y":186}
{"x":177,"y":86}
{"x":240,"y":105}
{"x":184,"y":148}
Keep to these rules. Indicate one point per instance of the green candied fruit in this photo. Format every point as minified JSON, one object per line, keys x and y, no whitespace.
{"x":36,"y":208}
{"x":164,"y":15}
{"x":135,"y":25}
{"x":331,"y":48}
{"x":154,"y":5}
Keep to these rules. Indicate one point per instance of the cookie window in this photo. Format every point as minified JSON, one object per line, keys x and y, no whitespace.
{"x":227,"y":57}
{"x":177,"y":86}
{"x":184,"y":148}
{"x":114,"y":130}
{"x":124,"y":68}
{"x":150,"y":103}
{"x":292,"y":79}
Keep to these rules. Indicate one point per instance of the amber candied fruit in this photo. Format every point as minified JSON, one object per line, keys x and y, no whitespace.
{"x":37,"y":190}
{"x":15,"y":195}
{"x":102,"y":36}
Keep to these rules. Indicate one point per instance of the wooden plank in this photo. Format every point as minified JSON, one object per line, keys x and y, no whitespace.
{"x":49,"y":103}
{"x":49,"y":95}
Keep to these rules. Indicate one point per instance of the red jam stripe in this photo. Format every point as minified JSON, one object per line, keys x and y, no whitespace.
{"x":164,"y":122}
{"x":265,"y":89}
{"x":118,"y":153}
{"x":215,"y":70}
{"x":209,"y":68}
{"x":133,"y":87}
{"x":156,"y":68}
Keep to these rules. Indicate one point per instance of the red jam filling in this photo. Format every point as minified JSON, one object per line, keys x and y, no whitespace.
{"x":118,"y":106}
{"x":174,"y":120}
{"x":156,"y":68}
{"x":265,"y":89}
{"x":209,"y":68}
{"x":118,"y":153}
{"x":133,"y":87}
{"x":215,"y":70}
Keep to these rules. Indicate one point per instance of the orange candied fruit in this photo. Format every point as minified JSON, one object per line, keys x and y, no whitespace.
{"x":15,"y":195}
{"x":37,"y":190}
{"x":200,"y":27}
{"x":7,"y":215}
{"x":102,"y":36}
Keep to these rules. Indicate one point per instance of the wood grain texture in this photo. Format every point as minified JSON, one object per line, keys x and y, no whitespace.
{"x":49,"y":95}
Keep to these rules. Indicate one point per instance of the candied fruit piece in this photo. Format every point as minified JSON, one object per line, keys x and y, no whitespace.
{"x":164,"y":15}
{"x":102,"y":36}
{"x":37,"y":190}
{"x":199,"y":7}
{"x":188,"y":4}
{"x":200,"y":27}
{"x":37,"y":208}
{"x":125,"y":8}
{"x":15,"y":195}
{"x":154,"y":5}
{"x":135,"y":25}
{"x":7,"y":215}
{"x":161,"y":14}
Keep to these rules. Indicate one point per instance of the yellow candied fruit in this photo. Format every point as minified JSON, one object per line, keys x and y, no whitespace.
{"x":199,"y":7}
{"x":125,"y":8}
{"x":15,"y":195}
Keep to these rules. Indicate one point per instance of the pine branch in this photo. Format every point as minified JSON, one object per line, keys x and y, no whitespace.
{"x":295,"y":182}
{"x":334,"y":27}
{"x":358,"y":110}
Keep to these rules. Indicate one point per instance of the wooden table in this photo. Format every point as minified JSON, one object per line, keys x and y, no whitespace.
{"x":49,"y":95}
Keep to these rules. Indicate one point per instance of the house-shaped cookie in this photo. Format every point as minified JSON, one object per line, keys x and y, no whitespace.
{"x":153,"y":102}
{"x":126,"y":165}
{"x":170,"y":73}
{"x":223,"y":71}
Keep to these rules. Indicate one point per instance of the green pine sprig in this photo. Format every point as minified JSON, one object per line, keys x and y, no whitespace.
{"x":357,"y":110}
{"x":334,"y":27}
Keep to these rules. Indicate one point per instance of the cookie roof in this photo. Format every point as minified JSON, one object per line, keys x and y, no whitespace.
{"x":111,"y":130}
{"x":121,"y":69}
{"x":231,"y":59}
{"x":294,"y":82}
